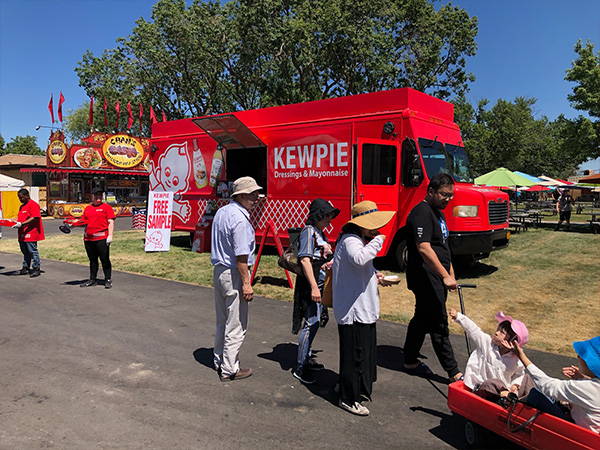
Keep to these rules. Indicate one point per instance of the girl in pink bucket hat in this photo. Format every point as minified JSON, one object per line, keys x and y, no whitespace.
{"x":493,"y":370}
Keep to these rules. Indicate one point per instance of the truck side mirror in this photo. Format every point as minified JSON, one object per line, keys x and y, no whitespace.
{"x":416,"y":170}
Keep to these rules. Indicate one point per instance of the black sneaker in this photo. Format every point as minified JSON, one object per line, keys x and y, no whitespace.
{"x":23,"y":271}
{"x":312,"y":364}
{"x":88,"y":283}
{"x":303,"y":376}
{"x":35,"y":273}
{"x":107,"y":284}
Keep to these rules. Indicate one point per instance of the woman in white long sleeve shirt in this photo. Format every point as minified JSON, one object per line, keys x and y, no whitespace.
{"x":356,"y":302}
{"x":582,"y":391}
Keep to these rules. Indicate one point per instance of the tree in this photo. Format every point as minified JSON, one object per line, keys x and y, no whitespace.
{"x":508,"y":135}
{"x":2,"y":143}
{"x":212,"y":57}
{"x":585,"y":72}
{"x":23,"y":145}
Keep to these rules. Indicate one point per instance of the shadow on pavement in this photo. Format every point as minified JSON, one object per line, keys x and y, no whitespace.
{"x":13,"y":273}
{"x":326,"y":379}
{"x":284,"y":354}
{"x":450,"y":429}
{"x":205,"y":357}
{"x":99,"y":282}
{"x":392,"y":358}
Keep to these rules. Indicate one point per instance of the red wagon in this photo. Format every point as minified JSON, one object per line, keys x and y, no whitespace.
{"x":523,"y":425}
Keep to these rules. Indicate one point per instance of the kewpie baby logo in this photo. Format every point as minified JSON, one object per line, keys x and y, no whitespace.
{"x":156,"y":239}
{"x":171,"y":174}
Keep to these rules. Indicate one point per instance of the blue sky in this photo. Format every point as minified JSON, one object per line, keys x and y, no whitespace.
{"x":525,"y":47}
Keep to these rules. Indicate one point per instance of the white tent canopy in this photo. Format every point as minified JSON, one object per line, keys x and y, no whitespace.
{"x":547,"y":181}
{"x":6,"y":181}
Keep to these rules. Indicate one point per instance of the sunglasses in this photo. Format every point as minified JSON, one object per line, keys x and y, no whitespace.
{"x":446,"y":195}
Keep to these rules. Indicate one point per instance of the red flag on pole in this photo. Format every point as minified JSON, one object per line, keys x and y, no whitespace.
{"x":91,"y":113}
{"x":153,"y":119}
{"x":105,"y":114}
{"x":118,"y":110}
{"x":130,"y":116}
{"x":164,"y":116}
{"x":51,"y":107}
{"x":141,"y":116}
{"x":61,"y":100}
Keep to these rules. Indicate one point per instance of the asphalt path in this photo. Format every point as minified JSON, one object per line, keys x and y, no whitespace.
{"x":130,"y":368}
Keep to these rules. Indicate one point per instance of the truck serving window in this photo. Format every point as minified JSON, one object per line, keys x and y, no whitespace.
{"x":379,"y":164}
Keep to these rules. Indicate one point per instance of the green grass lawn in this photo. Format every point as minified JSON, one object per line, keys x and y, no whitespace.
{"x":550,"y":280}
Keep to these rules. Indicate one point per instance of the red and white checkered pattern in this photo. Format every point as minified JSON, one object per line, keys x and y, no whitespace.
{"x":283,"y":213}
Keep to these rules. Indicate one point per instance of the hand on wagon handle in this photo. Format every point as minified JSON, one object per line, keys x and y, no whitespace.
{"x":450,"y":282}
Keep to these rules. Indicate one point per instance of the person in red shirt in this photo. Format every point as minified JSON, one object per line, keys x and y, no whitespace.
{"x":100,"y":223}
{"x":30,"y":231}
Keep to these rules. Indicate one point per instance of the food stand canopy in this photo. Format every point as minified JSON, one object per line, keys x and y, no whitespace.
{"x":6,"y":181}
{"x":503,"y":177}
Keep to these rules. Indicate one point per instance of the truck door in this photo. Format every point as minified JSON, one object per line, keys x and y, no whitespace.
{"x":377,"y":172}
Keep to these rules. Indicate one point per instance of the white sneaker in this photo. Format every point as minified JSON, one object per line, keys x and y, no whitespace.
{"x":356,"y":408}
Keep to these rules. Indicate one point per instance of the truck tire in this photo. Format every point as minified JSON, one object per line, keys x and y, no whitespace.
{"x":401,"y":254}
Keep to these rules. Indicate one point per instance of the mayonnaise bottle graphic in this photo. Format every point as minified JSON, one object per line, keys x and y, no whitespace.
{"x":217,"y":164}
{"x":199,"y":167}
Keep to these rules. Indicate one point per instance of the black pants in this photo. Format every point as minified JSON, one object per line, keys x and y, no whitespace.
{"x":95,"y":250}
{"x":358,"y":361}
{"x":430,"y":318}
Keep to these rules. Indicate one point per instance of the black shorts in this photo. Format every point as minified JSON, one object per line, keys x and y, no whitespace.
{"x":565,"y":216}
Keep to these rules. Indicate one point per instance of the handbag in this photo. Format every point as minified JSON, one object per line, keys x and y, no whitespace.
{"x":327,"y":296}
{"x":289,"y":260}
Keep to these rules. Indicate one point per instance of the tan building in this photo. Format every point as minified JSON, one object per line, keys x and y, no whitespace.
{"x":11,"y":165}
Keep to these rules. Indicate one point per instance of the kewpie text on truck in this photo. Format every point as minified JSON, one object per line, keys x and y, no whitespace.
{"x":382,"y":146}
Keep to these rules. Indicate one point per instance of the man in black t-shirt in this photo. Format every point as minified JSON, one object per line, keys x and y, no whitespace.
{"x":430,"y":275}
{"x":564,"y":206}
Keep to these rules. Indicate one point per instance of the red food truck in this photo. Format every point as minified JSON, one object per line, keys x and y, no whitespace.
{"x":382,"y":146}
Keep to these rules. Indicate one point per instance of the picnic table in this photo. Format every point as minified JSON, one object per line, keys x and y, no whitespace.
{"x":525,"y":219}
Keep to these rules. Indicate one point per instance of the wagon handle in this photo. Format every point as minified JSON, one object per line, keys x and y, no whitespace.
{"x":459,"y":288}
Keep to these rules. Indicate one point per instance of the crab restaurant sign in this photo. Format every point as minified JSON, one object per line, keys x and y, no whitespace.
{"x":123,"y":151}
{"x":57,"y":151}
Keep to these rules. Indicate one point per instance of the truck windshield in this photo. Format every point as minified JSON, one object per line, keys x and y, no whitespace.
{"x":460,"y":160}
{"x":445,"y":158}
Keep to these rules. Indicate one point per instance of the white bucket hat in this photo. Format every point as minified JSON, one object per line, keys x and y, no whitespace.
{"x":245,"y":185}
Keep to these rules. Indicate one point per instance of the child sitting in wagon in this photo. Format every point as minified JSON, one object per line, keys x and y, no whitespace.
{"x":493,"y":370}
{"x":582,"y":391}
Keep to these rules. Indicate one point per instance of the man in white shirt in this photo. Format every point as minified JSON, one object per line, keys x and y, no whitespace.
{"x":232,"y":252}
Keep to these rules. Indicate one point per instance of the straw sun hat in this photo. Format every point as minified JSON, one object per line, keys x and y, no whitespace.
{"x":366,"y":215}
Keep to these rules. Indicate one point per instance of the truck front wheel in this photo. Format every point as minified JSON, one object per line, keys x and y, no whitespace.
{"x":401,"y":254}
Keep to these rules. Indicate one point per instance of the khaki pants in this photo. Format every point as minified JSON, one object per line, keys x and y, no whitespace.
{"x":232,"y":319}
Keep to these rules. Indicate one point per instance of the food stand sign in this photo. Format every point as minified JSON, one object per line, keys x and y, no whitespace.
{"x":123,"y":151}
{"x":158,"y":222}
{"x":57,"y":151}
